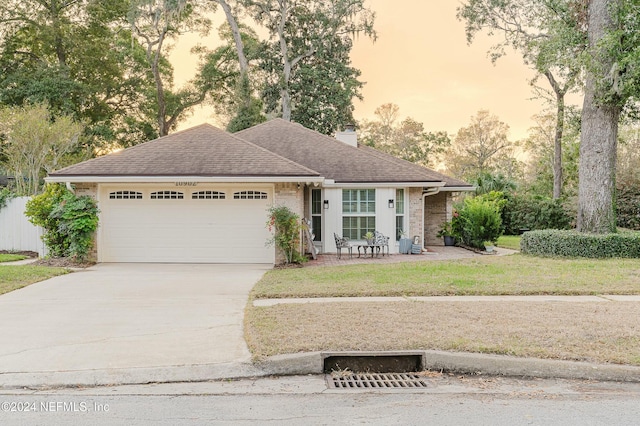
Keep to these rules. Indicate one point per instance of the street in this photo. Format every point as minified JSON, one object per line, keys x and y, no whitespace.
{"x":448,"y":400}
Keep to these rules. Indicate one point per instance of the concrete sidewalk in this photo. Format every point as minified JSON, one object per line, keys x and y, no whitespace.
{"x":532,"y":299}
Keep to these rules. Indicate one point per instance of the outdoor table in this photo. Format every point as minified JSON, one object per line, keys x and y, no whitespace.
{"x":373,"y":247}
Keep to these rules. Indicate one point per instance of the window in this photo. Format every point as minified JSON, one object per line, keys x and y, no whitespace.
{"x":400,"y":229}
{"x":316,"y":214}
{"x":167,"y":195}
{"x":249,"y":195}
{"x":358,"y":212}
{"x":125,"y":195}
{"x":208,"y":195}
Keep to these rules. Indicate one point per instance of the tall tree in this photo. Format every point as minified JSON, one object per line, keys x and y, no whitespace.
{"x":544,"y":32}
{"x":307,"y":35}
{"x":76,"y":57}
{"x":155,"y":23}
{"x":234,"y":95}
{"x":540,"y":159}
{"x":482,"y":147}
{"x":35,"y":144}
{"x":404,"y":139}
{"x":246,"y":108}
{"x":601,"y":110}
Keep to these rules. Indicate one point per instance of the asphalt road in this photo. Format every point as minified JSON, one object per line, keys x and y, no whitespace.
{"x":305,"y":400}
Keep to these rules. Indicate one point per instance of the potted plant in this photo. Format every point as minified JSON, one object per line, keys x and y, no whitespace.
{"x":446,"y":232}
{"x":369,"y":237}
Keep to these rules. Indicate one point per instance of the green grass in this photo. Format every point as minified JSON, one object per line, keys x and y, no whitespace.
{"x":8,"y":257}
{"x":509,"y":241}
{"x":18,"y":276}
{"x":489,"y":275}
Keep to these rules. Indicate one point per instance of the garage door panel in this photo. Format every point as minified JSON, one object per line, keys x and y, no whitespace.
{"x":184,"y":230}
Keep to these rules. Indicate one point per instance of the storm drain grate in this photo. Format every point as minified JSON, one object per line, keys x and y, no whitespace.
{"x":375,"y":380}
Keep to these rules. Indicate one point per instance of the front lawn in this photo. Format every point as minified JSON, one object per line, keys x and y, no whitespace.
{"x":487,"y":275}
{"x":13,"y":277}
{"x":602,"y":332}
{"x":10,"y":257}
{"x":509,"y":241}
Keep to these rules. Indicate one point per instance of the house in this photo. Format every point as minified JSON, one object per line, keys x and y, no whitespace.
{"x":201,"y":195}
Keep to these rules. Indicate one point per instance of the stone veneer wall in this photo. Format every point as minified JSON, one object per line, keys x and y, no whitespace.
{"x":90,"y":189}
{"x":288,"y":194}
{"x":437,"y":209}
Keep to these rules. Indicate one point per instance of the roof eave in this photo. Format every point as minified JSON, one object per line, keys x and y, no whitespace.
{"x":383,"y":184}
{"x":458,"y":188}
{"x":181,"y":178}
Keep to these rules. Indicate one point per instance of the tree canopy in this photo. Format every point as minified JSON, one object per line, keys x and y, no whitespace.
{"x":482,"y":147}
{"x":406,"y":139}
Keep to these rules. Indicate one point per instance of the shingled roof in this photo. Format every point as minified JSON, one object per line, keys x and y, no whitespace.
{"x":337,"y":160}
{"x":277,"y":148}
{"x":203,"y":150}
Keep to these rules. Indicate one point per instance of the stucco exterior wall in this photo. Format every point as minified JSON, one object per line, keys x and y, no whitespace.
{"x":437,"y":209}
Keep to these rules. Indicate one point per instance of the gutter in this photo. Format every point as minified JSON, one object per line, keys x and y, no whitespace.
{"x":171,"y":179}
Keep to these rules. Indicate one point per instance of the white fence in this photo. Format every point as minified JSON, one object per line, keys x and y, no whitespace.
{"x":16,"y":232}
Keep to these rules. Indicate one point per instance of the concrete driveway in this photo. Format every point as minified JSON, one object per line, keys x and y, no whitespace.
{"x":127,"y":316}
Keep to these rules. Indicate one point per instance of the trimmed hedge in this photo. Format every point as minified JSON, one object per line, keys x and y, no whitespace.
{"x":551,"y":242}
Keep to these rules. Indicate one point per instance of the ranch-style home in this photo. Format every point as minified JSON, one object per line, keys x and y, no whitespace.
{"x":201,"y":195}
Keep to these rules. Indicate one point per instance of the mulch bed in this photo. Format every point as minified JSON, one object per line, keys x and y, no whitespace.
{"x":62,"y":262}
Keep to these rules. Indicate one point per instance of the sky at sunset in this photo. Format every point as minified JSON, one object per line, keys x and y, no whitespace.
{"x":422,"y":63}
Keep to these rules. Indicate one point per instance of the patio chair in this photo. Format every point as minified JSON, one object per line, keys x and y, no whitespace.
{"x":343,"y":242}
{"x":381,"y":241}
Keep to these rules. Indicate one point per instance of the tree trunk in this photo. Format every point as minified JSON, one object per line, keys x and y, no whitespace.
{"x":237,"y":37}
{"x":154,"y":58}
{"x":557,"y":143}
{"x":557,"y":152}
{"x":286,"y":64}
{"x":598,"y":141}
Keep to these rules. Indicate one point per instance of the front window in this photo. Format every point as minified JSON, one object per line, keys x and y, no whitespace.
{"x":316,"y":214}
{"x":358,"y":212}
{"x":399,"y":213}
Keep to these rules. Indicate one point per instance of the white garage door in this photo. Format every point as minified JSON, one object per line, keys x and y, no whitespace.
{"x":178,"y":224}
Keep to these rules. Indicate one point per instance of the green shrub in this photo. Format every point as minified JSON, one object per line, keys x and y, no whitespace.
{"x":628,"y":207}
{"x":5,"y":196}
{"x":565,"y":243}
{"x":39,"y":209}
{"x":68,"y":221}
{"x":286,"y":226}
{"x":477,"y":220}
{"x":533,"y":213}
{"x":77,"y":220}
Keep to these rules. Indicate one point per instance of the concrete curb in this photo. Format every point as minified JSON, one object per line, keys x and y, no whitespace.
{"x":469,"y":363}
{"x":129,"y":376}
{"x":313,"y":363}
